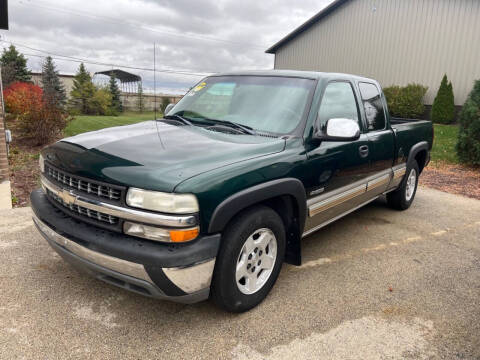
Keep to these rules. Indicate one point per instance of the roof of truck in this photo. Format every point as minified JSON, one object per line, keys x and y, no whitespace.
{"x":296,"y":73}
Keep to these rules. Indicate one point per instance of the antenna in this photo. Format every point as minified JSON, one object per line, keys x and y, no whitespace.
{"x":154,"y":82}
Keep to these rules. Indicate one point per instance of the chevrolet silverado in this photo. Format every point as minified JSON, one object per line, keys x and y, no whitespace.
{"x":211,"y":199}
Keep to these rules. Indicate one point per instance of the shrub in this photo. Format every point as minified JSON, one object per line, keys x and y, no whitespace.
{"x":35,"y":118}
{"x":164,"y":104}
{"x":443,"y":108}
{"x":22,"y":97}
{"x":100,"y":103}
{"x":44,"y":126}
{"x":468,"y":145}
{"x":407,"y":101}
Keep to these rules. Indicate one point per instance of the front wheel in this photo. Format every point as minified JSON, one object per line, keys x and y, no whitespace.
{"x":402,"y":198}
{"x":250,"y":259}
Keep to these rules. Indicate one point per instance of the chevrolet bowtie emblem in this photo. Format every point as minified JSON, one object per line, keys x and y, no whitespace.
{"x":67,"y":197}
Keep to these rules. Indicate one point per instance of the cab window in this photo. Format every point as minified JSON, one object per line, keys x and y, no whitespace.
{"x":338,"y":102}
{"x":373,"y":105}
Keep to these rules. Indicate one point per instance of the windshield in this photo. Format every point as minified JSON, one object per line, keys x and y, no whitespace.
{"x":264,"y":103}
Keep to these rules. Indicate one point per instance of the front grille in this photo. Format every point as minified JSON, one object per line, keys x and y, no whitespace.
{"x":84,"y":185}
{"x":84,"y":212}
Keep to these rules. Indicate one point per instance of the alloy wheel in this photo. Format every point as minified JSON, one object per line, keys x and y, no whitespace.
{"x":256,"y":261}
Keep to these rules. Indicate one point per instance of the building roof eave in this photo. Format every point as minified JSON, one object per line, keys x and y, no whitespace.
{"x":306,"y":25}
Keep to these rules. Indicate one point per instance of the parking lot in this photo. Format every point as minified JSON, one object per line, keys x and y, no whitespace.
{"x":378,"y":284}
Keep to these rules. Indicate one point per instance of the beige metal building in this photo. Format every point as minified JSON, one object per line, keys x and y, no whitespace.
{"x":65,"y":79}
{"x":393,"y":41}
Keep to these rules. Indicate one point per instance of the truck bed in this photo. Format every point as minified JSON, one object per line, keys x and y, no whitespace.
{"x":400,"y":121}
{"x":410,"y":132}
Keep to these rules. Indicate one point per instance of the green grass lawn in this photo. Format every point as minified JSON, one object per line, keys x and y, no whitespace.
{"x":444,"y":144}
{"x":84,"y":123}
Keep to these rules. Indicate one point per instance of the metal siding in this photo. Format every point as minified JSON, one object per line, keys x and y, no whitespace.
{"x":403,"y":41}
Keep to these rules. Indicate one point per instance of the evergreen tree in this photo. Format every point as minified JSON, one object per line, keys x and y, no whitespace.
{"x":443,"y":108}
{"x":115,"y":92}
{"x":468,"y":145}
{"x":14,"y":67}
{"x":53,"y":89}
{"x":140,"y":99}
{"x":83,"y":91}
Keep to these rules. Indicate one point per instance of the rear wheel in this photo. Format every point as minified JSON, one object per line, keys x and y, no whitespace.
{"x":250,"y":259}
{"x":402,"y":198}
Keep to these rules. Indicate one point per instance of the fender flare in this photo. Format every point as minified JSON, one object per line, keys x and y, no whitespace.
{"x":423,"y":145}
{"x":225,"y":211}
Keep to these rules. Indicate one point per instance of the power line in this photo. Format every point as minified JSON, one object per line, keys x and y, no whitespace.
{"x":92,"y":62}
{"x":134,"y":24}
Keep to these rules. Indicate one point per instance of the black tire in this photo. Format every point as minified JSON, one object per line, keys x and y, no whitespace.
{"x":398,"y":199}
{"x":225,"y":291}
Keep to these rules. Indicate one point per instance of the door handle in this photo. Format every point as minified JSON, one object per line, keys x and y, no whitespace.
{"x":363,"y":150}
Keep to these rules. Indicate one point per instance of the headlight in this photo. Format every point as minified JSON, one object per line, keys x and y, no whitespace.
{"x":162,"y":202}
{"x":41,"y":163}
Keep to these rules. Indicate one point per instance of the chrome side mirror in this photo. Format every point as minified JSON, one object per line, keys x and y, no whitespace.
{"x":340,"y":130}
{"x":168,"y":108}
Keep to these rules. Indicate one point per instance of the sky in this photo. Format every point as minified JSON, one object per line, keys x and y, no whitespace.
{"x":195,"y":37}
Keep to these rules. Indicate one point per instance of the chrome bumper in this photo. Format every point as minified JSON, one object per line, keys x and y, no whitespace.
{"x":193,"y":280}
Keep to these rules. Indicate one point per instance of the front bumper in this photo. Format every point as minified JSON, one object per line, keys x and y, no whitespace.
{"x":180,"y":273}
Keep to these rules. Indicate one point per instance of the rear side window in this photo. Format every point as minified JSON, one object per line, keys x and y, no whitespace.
{"x":373,"y":105}
{"x":338,"y":102}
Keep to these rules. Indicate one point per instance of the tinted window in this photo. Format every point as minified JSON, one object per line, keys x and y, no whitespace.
{"x":338,"y":102}
{"x":372,"y":103}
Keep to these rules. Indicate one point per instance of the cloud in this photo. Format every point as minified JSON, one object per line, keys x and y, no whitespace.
{"x":195,"y":36}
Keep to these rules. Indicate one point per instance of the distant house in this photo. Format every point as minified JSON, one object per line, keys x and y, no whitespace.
{"x":66,"y":79}
{"x":393,"y":41}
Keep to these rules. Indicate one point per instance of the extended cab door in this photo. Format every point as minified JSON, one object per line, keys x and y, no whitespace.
{"x":337,"y":171}
{"x":381,"y":138}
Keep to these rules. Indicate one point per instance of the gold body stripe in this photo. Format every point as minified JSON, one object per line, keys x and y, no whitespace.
{"x":378,"y":182}
{"x":336,"y":200}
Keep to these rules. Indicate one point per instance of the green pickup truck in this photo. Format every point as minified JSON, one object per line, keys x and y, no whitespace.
{"x":210,"y":200}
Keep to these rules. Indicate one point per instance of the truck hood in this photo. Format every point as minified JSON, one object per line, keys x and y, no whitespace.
{"x":155,"y":155}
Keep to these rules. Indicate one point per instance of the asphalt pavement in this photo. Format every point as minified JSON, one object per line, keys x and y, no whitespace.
{"x":378,"y":284}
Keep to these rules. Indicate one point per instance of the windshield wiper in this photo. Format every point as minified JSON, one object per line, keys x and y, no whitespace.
{"x":178,"y":117}
{"x":245,"y":129}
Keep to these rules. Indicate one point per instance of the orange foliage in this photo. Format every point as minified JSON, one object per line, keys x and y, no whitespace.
{"x":36,"y":119}
{"x":21,"y":98}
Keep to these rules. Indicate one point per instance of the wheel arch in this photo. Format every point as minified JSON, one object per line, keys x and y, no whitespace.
{"x":284,"y":196}
{"x":419,"y":152}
